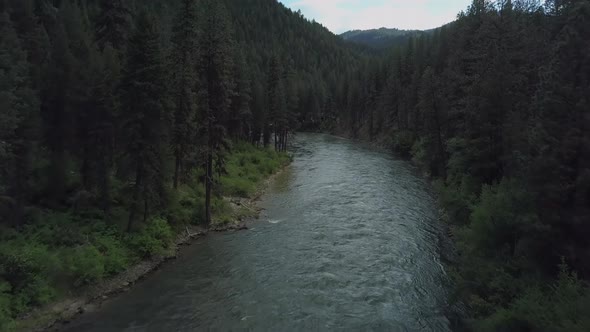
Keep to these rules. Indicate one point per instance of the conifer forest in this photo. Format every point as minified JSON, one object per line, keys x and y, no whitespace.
{"x":124,"y":123}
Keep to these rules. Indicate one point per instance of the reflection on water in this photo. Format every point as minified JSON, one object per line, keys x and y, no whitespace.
{"x":348,"y":241}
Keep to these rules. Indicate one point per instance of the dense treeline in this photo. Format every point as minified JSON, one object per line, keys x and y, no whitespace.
{"x":121,"y":121}
{"x":116,"y":113}
{"x":495,"y":106}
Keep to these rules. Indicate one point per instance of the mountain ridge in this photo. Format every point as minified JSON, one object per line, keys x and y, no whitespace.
{"x":381,"y":38}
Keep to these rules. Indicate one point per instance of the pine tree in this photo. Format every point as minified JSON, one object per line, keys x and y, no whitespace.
{"x":216,"y":88}
{"x":183,"y":61}
{"x":240,"y":119}
{"x":276,"y":100}
{"x":34,"y":38}
{"x":113,"y":24}
{"x":145,"y":121}
{"x":100,"y":121}
{"x":56,"y":111}
{"x":259,"y":116}
{"x":83,"y":60}
{"x":431,"y":108}
{"x":292,"y":103}
{"x":560,"y":167}
{"x":18,"y":118}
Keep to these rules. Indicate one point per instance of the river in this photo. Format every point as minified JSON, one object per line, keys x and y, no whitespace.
{"x":349,"y":240}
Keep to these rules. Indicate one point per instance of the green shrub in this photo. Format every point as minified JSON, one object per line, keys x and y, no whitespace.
{"x":85,"y":265}
{"x":37,"y":293}
{"x":457,"y":200}
{"x":153,"y":239}
{"x":238,"y":187}
{"x":60,"y":250}
{"x":7,"y":233}
{"x":502,"y":218}
{"x":186,"y":206}
{"x":115,"y":255}
{"x":403,"y":141}
{"x":222,"y":211}
{"x":61,"y":229}
{"x":246,"y":166}
{"x":26,"y":271}
{"x":5,"y":304}
{"x":419,"y":154}
{"x":560,"y":307}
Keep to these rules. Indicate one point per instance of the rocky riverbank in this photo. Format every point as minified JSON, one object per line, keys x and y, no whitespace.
{"x":54,"y":316}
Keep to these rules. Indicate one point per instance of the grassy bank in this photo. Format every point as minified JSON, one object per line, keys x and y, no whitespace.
{"x":495,"y":228}
{"x":61,"y":253}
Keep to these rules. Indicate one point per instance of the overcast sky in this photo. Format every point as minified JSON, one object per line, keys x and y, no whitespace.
{"x":343,"y":15}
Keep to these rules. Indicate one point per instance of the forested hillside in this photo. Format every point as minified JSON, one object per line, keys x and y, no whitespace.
{"x":495,"y":106}
{"x":123,"y":121}
{"x":382,"y":38}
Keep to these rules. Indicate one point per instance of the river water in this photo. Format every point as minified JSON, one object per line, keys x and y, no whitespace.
{"x":349,"y":240}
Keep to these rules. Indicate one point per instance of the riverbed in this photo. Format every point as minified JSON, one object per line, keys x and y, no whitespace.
{"x":349,"y":240}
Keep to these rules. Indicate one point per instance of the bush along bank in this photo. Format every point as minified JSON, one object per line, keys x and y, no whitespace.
{"x":75,"y":252}
{"x":498,"y":279}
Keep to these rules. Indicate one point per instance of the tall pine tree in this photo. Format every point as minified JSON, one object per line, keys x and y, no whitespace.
{"x":18,"y":119}
{"x":113,"y":24}
{"x":184,"y":83}
{"x":216,"y":88}
{"x":145,"y":120}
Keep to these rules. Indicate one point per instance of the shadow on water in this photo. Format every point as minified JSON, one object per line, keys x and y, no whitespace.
{"x":348,"y":241}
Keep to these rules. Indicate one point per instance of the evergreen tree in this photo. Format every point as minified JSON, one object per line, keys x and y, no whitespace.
{"x":83,"y":59}
{"x":216,"y":88}
{"x":113,"y":24}
{"x":292,"y":100}
{"x":259,"y":116}
{"x":183,"y":61}
{"x":34,"y":38}
{"x":494,"y":106}
{"x":240,"y":119}
{"x":18,"y":118}
{"x":145,"y":119}
{"x":432,"y":111}
{"x":57,"y":113}
{"x":276,"y":100}
{"x":560,"y":165}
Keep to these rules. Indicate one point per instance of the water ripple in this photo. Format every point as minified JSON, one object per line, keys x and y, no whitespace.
{"x":350,"y":244}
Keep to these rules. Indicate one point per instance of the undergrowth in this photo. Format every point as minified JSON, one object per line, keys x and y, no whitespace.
{"x":60,"y":252}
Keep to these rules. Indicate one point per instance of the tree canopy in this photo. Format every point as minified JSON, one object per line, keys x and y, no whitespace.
{"x":113,"y":111}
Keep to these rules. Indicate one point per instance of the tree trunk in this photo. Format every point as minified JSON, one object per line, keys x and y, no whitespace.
{"x":145,"y":208}
{"x":105,"y":186}
{"x":275,"y":134}
{"x":371,"y":129}
{"x":267,"y":136}
{"x":136,"y":192}
{"x":209,"y":171}
{"x":20,"y":190}
{"x":177,"y":169}
{"x":208,"y":187}
{"x":441,"y":148}
{"x":86,"y":181}
{"x":286,"y":139}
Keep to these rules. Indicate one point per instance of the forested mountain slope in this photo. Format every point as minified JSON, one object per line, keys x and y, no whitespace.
{"x":495,"y":106}
{"x":380,"y":38}
{"x":114,"y":115}
{"x":313,"y":59}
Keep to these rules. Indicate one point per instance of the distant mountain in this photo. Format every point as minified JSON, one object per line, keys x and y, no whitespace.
{"x":379,"y":38}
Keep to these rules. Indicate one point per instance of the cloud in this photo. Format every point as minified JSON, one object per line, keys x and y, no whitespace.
{"x":343,"y":15}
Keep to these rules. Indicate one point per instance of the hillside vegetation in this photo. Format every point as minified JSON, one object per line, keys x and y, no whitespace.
{"x":382,"y":38}
{"x":122,"y":120}
{"x":495,"y":108}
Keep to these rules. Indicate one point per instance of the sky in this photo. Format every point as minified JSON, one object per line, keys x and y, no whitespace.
{"x":343,"y":15}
